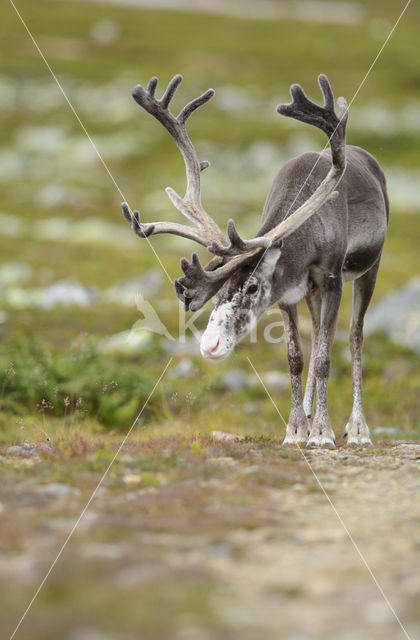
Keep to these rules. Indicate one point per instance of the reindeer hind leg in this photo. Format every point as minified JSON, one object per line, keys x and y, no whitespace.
{"x":313,"y":301}
{"x":357,"y":430}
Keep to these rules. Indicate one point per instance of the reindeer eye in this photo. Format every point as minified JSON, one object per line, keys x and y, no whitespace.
{"x":253,"y":288}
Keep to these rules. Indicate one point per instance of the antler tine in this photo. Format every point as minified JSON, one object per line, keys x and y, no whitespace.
{"x":151,"y":87}
{"x":327,"y":92}
{"x":144,"y":230}
{"x":325,"y":118}
{"x":189,"y":108}
{"x":170,"y":91}
{"x":190,"y":205}
{"x":133,"y":219}
{"x":200,"y":284}
{"x":237,"y":245}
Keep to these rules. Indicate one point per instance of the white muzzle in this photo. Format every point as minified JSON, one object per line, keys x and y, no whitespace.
{"x":215,"y":343}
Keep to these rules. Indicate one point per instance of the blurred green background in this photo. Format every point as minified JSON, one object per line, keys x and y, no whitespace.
{"x":70,"y":269}
{"x":69,"y":262}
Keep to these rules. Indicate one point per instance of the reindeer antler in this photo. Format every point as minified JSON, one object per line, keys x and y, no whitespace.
{"x":199,"y":284}
{"x":325,"y":118}
{"x":334,"y":126}
{"x":190,"y":205}
{"x":237,"y":244}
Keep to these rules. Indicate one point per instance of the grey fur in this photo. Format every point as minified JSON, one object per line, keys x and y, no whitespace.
{"x":324,"y":222}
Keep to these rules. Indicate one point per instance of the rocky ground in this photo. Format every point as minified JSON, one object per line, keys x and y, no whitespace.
{"x":208,"y":538}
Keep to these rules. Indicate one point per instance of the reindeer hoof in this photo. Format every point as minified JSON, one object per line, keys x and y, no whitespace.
{"x":321,"y":443}
{"x":291,"y":442}
{"x":359,"y":441}
{"x":357,"y":433}
{"x":321,"y":440}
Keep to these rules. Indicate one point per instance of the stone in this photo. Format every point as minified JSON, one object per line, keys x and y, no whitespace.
{"x":88,"y":633}
{"x":67,"y":292}
{"x":127,"y":342}
{"x":14,"y":272}
{"x":27,"y":449}
{"x":386,"y":431}
{"x":55,"y":490}
{"x":132,"y":479}
{"x":223,"y":460}
{"x":223,"y":436}
{"x":184,"y":369}
{"x":398,"y":316}
{"x":185,"y":346}
{"x":102,"y":550}
{"x":276,"y":380}
{"x":235,"y":380}
{"x":149,"y":284}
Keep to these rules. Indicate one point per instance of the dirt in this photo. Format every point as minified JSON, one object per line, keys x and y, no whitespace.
{"x":214,"y":539}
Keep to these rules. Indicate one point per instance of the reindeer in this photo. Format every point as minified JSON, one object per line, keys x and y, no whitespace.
{"x":324,"y":222}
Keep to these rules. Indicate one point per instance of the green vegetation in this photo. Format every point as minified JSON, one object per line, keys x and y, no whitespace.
{"x":75,"y":384}
{"x":46,"y":137}
{"x":60,"y":218}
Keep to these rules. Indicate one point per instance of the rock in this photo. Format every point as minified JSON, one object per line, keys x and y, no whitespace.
{"x":235,"y":380}
{"x":67,"y":292}
{"x":184,"y":369}
{"x":185,"y":346}
{"x":233,"y":98}
{"x":14,"y":272}
{"x":87,"y":231}
{"x":11,"y":226}
{"x":276,"y":380}
{"x":321,"y":535}
{"x":149,"y":284}
{"x":55,"y":490}
{"x":251,"y":408}
{"x":386,"y":431}
{"x":223,"y":460}
{"x":415,"y":446}
{"x":127,"y":342}
{"x":131,"y":479}
{"x":398,"y":316}
{"x":87,"y":633}
{"x":26,"y":449}
{"x":105,"y":31}
{"x":64,"y":292}
{"x":102,"y":550}
{"x":223,"y":436}
{"x":135,"y":575}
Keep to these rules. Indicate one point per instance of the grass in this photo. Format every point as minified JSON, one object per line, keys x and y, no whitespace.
{"x":172,"y":481}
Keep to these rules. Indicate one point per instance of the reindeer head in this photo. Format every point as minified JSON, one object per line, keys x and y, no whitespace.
{"x":241,"y":275}
{"x":240,"y":302}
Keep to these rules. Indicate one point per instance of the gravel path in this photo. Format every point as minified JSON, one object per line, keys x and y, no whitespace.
{"x":215,"y":540}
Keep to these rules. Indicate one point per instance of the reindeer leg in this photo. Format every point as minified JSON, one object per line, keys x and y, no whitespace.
{"x":321,"y":434}
{"x":313,"y":301}
{"x":357,"y":430}
{"x":297,"y":428}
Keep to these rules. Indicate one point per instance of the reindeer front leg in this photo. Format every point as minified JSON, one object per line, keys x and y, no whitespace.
{"x":313,"y":301}
{"x":297,"y":428}
{"x":321,"y":434}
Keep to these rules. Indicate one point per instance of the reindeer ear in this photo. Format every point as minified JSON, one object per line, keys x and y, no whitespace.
{"x":269,"y":262}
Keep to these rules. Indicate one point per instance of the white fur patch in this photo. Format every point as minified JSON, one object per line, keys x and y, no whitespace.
{"x":214,"y":341}
{"x":294,"y":294}
{"x":269,"y":262}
